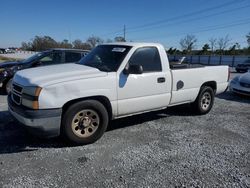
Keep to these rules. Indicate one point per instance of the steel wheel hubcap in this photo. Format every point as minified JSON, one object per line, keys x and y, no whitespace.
{"x":206,"y":101}
{"x":85,"y":123}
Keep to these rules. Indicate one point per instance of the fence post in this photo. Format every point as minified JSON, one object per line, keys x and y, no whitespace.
{"x":233,"y":61}
{"x":199,"y":59}
{"x":209,"y":58}
{"x":220,"y":60}
{"x":191,"y":59}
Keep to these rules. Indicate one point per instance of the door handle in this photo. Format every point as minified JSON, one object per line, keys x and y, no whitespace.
{"x":161,"y":80}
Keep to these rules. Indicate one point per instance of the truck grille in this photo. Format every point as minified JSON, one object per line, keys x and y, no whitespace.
{"x":16,"y":93}
{"x":17,"y":88}
{"x":245,"y":85}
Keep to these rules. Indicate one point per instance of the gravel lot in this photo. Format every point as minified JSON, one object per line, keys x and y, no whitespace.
{"x":169,"y":148}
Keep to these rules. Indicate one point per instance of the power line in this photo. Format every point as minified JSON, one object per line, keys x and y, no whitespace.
{"x":209,"y":28}
{"x":197,"y":18}
{"x":186,"y":15}
{"x":177,"y":17}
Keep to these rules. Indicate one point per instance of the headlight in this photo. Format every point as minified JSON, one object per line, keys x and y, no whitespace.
{"x":30,"y":97}
{"x":235,"y":80}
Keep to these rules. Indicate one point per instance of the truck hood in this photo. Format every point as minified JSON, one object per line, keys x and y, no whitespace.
{"x":49,"y":75}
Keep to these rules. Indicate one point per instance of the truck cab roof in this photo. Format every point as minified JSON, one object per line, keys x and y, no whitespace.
{"x":134,"y":44}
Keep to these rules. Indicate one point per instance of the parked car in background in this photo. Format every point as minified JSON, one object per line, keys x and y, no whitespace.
{"x":243,"y":67}
{"x":2,"y":51}
{"x":49,"y":57}
{"x":10,"y":50}
{"x":241,"y":84}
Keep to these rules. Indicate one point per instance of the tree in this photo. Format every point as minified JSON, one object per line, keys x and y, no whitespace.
{"x":78,"y":44}
{"x":223,"y":43}
{"x":205,"y":49}
{"x":234,"y":50}
{"x":26,"y":46}
{"x":237,"y":46}
{"x":65,"y":44}
{"x":119,"y":39}
{"x":40,"y":43}
{"x":212,"y":43}
{"x":188,"y":43}
{"x":248,"y":39}
{"x":94,"y":41}
{"x":171,"y":51}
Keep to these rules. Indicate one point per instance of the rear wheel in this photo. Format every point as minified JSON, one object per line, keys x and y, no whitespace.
{"x":205,"y":100}
{"x":85,"y":122}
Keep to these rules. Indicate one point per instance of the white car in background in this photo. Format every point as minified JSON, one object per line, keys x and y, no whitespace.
{"x":241,"y":84}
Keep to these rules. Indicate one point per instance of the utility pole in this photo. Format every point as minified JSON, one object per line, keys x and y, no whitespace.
{"x":124,"y":32}
{"x":69,"y":32}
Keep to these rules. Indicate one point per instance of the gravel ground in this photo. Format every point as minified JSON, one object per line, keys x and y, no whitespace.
{"x":169,"y":148}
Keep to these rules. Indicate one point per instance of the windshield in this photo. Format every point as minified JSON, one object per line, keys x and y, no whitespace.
{"x":34,"y":57}
{"x":106,"y":58}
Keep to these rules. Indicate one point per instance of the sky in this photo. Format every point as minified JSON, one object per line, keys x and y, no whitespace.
{"x":161,"y":21}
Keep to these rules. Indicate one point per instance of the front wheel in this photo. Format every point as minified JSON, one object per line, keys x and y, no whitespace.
{"x":85,"y":122}
{"x":205,"y":100}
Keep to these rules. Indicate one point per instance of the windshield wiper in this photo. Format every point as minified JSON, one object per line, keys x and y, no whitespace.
{"x":103,"y":68}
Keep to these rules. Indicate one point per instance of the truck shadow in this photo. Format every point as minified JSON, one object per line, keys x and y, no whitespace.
{"x":14,"y":138}
{"x":234,"y":97}
{"x":182,"y":110}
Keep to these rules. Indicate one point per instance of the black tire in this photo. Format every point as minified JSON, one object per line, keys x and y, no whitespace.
{"x":7,"y":86}
{"x":77,"y":132}
{"x":204,"y":101}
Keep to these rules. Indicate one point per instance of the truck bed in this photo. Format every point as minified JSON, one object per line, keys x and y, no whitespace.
{"x":174,"y":65}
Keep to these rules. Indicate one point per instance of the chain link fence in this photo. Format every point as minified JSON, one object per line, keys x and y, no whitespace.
{"x":231,"y":61}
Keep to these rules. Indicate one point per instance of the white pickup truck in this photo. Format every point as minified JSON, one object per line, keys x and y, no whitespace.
{"x":112,"y":81}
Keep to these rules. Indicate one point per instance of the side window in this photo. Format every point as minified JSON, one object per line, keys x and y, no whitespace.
{"x":47,"y":59}
{"x":72,"y":57}
{"x":148,"y":58}
{"x":52,"y":58}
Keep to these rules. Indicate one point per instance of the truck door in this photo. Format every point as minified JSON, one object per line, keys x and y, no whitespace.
{"x":147,"y":91}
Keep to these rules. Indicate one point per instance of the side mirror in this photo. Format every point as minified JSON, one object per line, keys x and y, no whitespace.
{"x":133,"y":69}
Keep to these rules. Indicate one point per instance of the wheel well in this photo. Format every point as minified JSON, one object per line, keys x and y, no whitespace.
{"x":211,"y":84}
{"x":102,"y":99}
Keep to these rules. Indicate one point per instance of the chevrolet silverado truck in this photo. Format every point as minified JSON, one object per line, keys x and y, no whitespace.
{"x":112,"y":81}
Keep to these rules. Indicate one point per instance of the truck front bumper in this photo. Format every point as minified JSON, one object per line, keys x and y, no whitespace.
{"x":42,"y":123}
